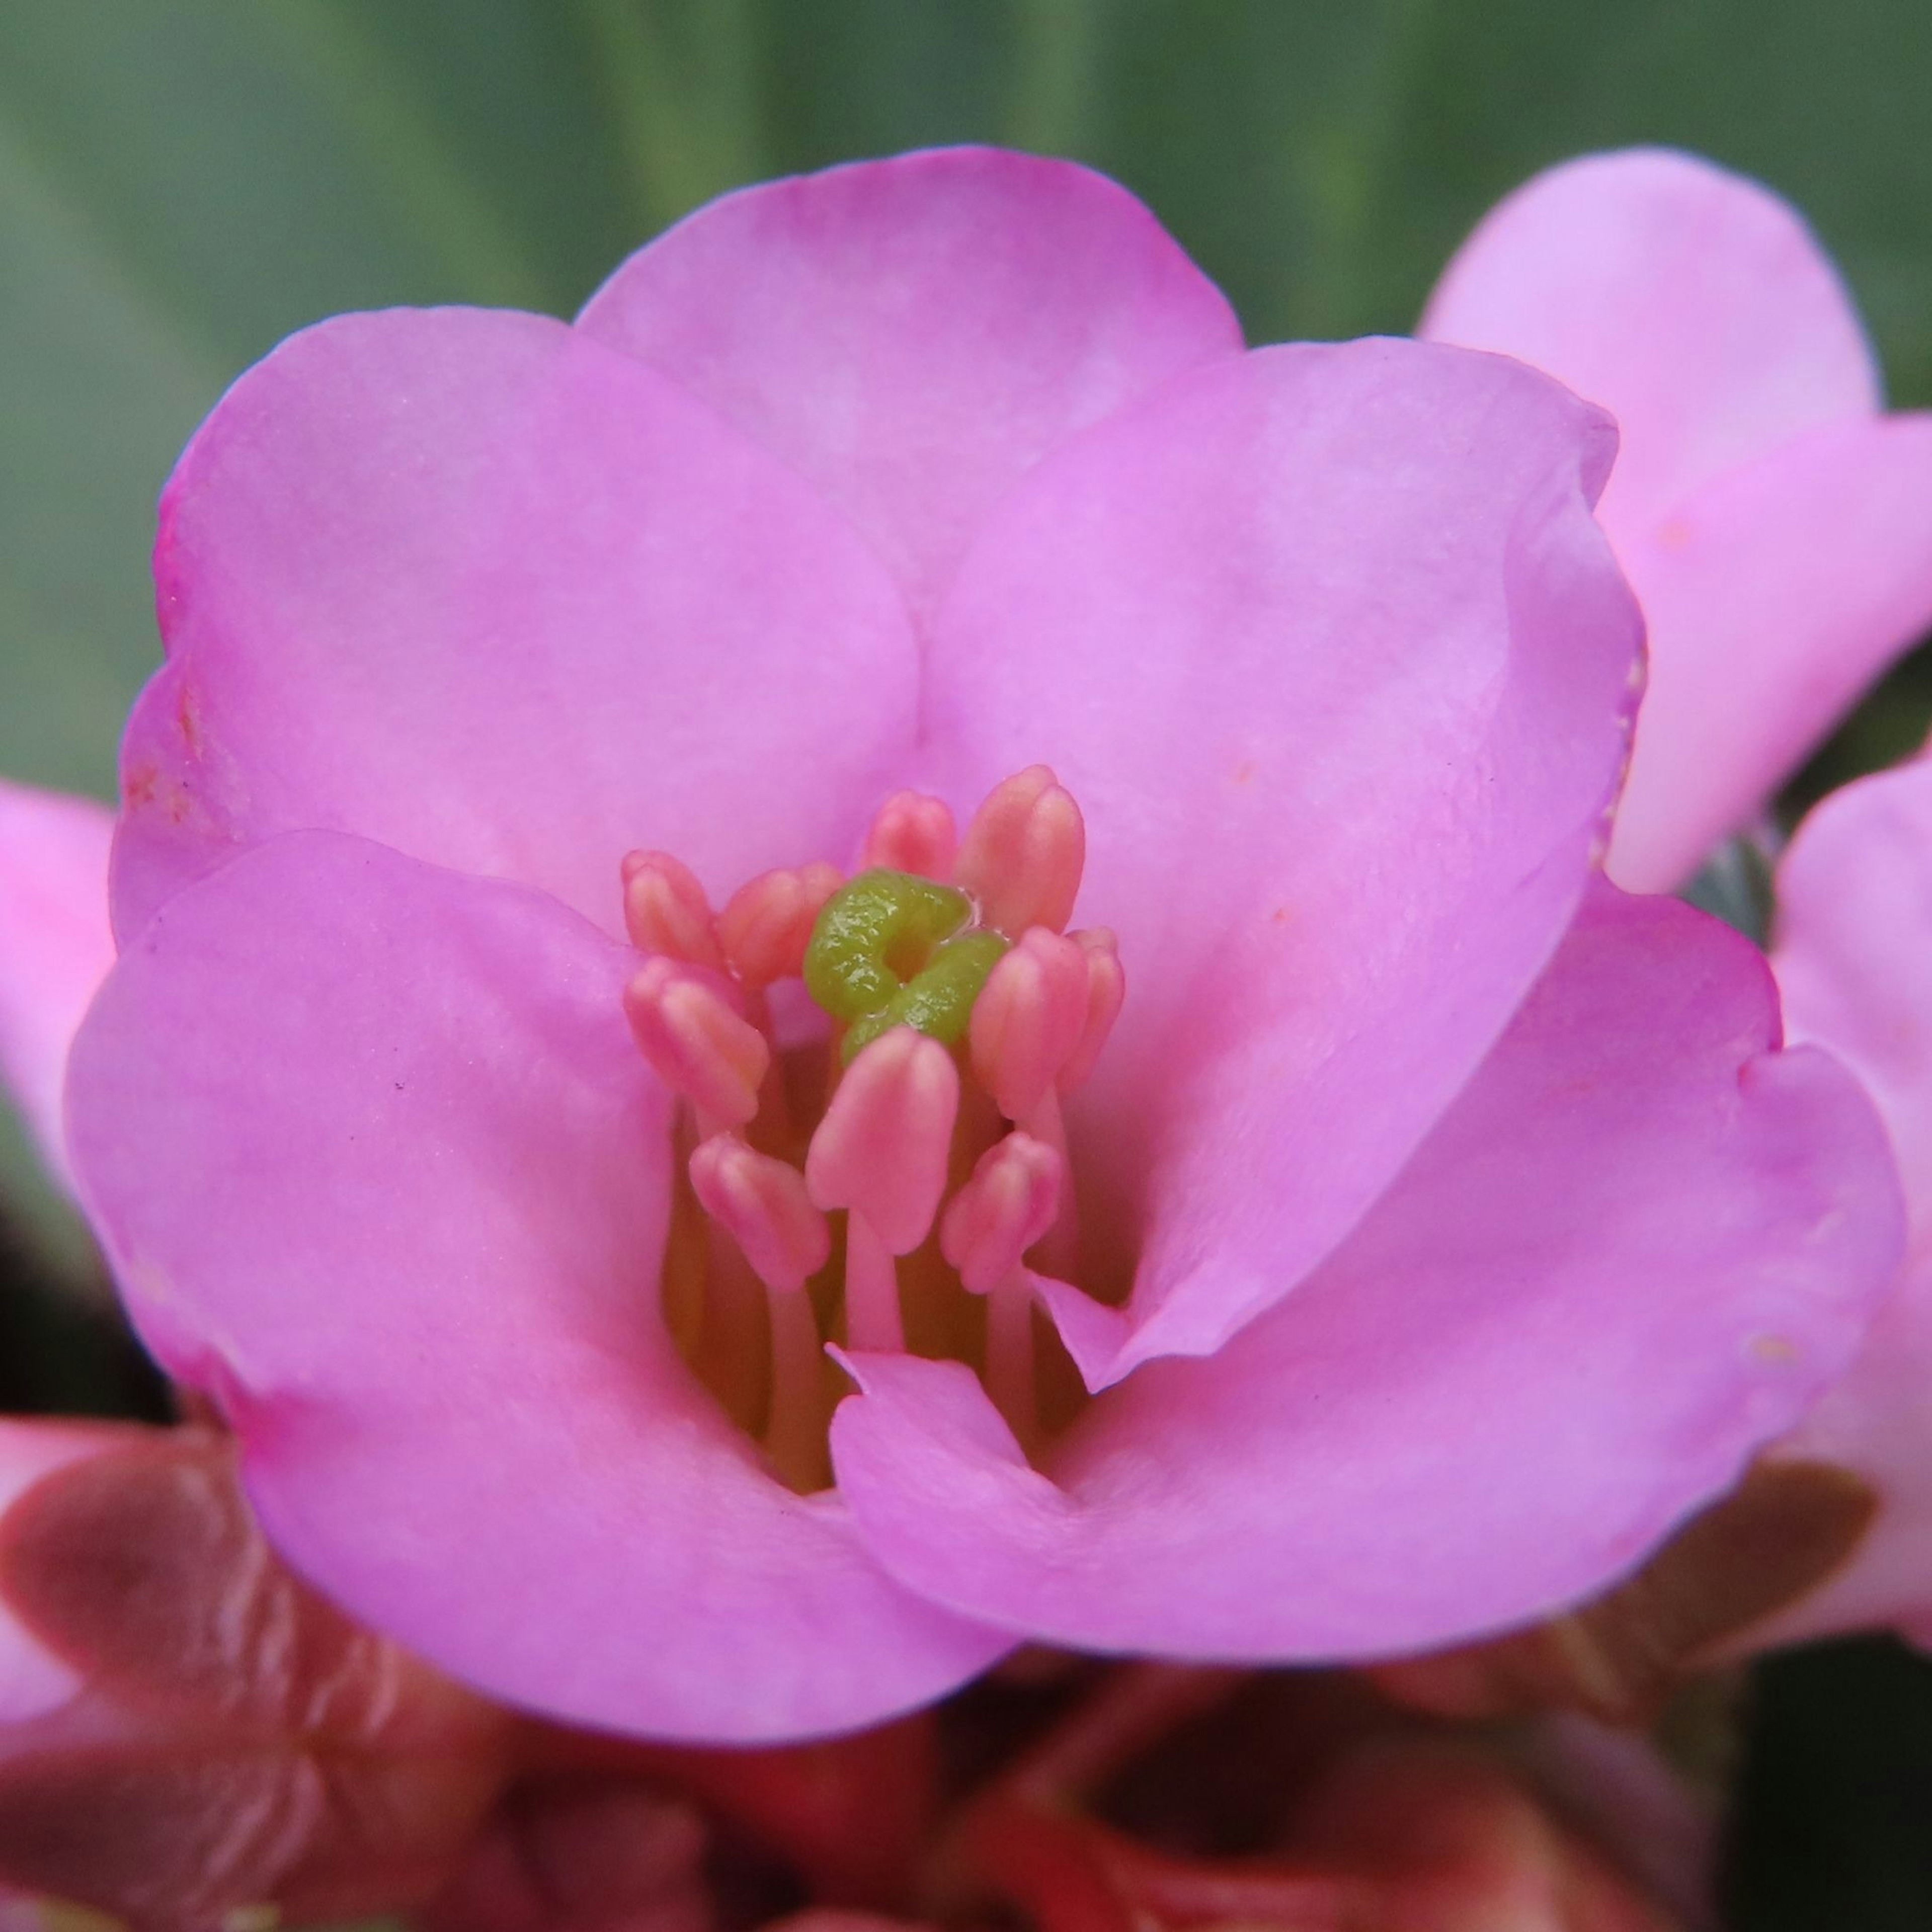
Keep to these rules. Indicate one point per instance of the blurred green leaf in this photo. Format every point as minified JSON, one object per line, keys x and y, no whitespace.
{"x":183,"y":182}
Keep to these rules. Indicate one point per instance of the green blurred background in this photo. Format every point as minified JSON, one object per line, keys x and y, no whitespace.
{"x":183,"y":182}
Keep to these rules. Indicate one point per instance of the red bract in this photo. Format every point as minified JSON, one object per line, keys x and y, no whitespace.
{"x":189,"y":1732}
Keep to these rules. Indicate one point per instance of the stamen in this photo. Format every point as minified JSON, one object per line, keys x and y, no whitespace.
{"x":666,"y":911}
{"x":873,"y":1318}
{"x":957,"y":1009}
{"x":1106,"y":990}
{"x":1023,"y":854}
{"x":766,"y":924}
{"x":881,"y":1149}
{"x":912,"y":833}
{"x":762,"y":1203}
{"x":683,"y":1020}
{"x":888,"y":951}
{"x":795,"y":1425}
{"x":1030,"y":1020}
{"x":1011,"y":1382}
{"x":1011,"y":1201}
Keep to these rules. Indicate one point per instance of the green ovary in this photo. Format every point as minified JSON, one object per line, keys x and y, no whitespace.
{"x":889,"y":949}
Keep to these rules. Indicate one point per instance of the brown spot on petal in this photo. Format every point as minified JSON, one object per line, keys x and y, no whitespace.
{"x":1784,"y":1529}
{"x":187,"y":718}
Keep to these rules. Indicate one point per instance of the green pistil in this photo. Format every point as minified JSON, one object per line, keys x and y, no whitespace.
{"x":889,"y":949}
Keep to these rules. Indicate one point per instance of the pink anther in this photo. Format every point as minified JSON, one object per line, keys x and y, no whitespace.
{"x":881,"y":1148}
{"x":1028,"y":1021}
{"x":1011,"y":1200}
{"x":666,"y":911}
{"x":697,"y":1045}
{"x":767,"y":922}
{"x":913,"y":832}
{"x":761,"y":1203}
{"x":1106,"y":990}
{"x":1021,"y":857}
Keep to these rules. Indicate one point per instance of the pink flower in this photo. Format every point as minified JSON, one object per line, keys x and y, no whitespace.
{"x":1771,"y":519}
{"x":1778,"y":531}
{"x":1854,"y":934}
{"x":1437,"y":1228}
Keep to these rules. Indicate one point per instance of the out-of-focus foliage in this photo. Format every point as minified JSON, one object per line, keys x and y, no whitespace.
{"x":183,"y":182}
{"x":1836,"y":1795}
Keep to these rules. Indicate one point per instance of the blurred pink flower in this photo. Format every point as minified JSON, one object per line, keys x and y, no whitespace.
{"x":1448,"y":1226}
{"x":1854,"y":935}
{"x":57,"y":947}
{"x":1776,"y":525}
{"x":1778,"y":531}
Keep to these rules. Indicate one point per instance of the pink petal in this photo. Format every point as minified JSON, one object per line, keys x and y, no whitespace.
{"x":1693,"y":304}
{"x":1774,"y":595}
{"x":911,"y":335}
{"x":58,"y":948}
{"x":398,"y":1197}
{"x":1854,"y":936}
{"x":1328,"y":647}
{"x":1778,"y":533}
{"x":1634,"y":1251}
{"x":474,"y":585}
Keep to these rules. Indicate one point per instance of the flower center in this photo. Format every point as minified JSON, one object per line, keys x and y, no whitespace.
{"x":893,"y":1180}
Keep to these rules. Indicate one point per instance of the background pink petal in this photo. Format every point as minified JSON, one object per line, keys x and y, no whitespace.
{"x":1326,"y":645}
{"x":913,"y":334}
{"x":1776,"y":530}
{"x":377,"y":1165}
{"x":1635,"y":1250}
{"x":1693,"y":304}
{"x":1774,"y":595}
{"x":1854,"y":942}
{"x":471,"y":583}
{"x":56,"y":947}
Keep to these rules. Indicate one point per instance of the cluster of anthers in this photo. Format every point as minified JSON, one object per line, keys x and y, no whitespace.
{"x":885,"y":1188}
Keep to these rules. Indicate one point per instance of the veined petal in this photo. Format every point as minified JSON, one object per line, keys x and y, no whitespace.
{"x":1327,"y":644}
{"x":57,"y":947}
{"x":913,"y":334}
{"x":397,"y":1198}
{"x":474,"y":585}
{"x":1636,"y":1250}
